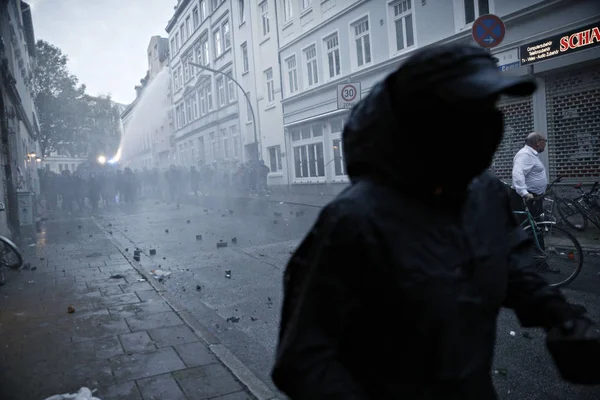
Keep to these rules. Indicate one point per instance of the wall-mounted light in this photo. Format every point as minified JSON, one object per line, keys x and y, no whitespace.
{"x":38,"y":159}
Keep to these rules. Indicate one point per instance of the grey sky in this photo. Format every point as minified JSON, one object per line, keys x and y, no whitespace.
{"x":106,"y":40}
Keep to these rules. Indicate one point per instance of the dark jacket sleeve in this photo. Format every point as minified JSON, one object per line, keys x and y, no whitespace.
{"x":535,"y":302}
{"x":308,"y":365}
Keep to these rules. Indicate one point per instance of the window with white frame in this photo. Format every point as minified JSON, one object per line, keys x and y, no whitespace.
{"x":188,"y":27}
{"x":175,"y":79}
{"x":264,"y":13}
{"x":336,"y":127}
{"x":202,"y":98}
{"x":182,"y":34}
{"x":196,"y":18}
{"x":275,"y":158}
{"x":190,"y":58}
{"x":403,"y":24}
{"x":217,"y":43}
{"x":288,"y":11}
{"x":180,"y":76}
{"x":231,"y":88}
{"x":177,"y":42}
{"x":221,"y":95}
{"x":475,"y":9}
{"x":292,"y":72}
{"x":195,"y":112}
{"x":186,"y":69}
{"x":203,"y":10}
{"x":362,"y":41}
{"x":241,"y":9}
{"x":205,"y":50}
{"x":209,"y":95}
{"x":307,"y":144}
{"x":214,"y":4}
{"x":226,"y":36}
{"x":245,"y":60}
{"x":235,"y":142}
{"x":306,"y":4}
{"x":173,"y":47}
{"x":198,"y":54}
{"x":312,"y":73}
{"x":332,"y":46}
{"x":226,"y":144}
{"x":270,"y":85}
{"x":188,"y":109}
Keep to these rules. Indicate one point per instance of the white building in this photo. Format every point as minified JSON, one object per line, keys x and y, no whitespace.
{"x":19,"y":127}
{"x":325,"y":43}
{"x":207,"y":111}
{"x":58,"y":162}
{"x":147,"y":122}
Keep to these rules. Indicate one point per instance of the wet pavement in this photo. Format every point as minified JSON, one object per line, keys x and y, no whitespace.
{"x":233,"y":292}
{"x":79,"y":314}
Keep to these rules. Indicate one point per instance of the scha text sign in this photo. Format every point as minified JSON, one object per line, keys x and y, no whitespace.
{"x":559,"y":45}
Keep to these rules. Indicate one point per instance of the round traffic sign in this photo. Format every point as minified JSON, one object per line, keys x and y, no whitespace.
{"x":349,"y":93}
{"x":488,"y":31}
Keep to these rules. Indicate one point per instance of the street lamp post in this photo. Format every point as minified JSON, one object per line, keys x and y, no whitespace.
{"x":214,"y":71}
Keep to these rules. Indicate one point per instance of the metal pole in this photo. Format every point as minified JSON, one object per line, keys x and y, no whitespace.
{"x":243,"y":91}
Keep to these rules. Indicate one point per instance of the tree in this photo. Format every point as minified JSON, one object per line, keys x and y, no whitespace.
{"x":101,"y":132}
{"x":59,"y":100}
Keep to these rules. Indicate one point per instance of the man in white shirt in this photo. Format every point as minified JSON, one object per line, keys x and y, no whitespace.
{"x":529,"y":174}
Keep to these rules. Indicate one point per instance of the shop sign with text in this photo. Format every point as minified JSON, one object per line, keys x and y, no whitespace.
{"x":583,"y":38}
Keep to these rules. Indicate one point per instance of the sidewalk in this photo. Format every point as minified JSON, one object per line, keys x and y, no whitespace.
{"x":124,"y":338}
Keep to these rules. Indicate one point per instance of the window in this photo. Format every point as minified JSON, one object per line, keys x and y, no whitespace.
{"x":203,"y":10}
{"x":177,"y":42}
{"x":275,"y":158}
{"x":230,"y":88}
{"x":205,"y":51}
{"x":309,"y":161}
{"x":311,"y":65}
{"x":214,"y":4}
{"x":226,"y":36}
{"x":270,"y":85}
{"x":363,"y":42}
{"x":188,"y":27}
{"x":195,"y":107}
{"x":196,"y":18}
{"x":475,"y":9}
{"x":225,"y":144}
{"x":201,"y":150}
{"x":175,"y":79}
{"x":189,"y":112}
{"x":202,"y":95}
{"x":332,"y":45}
{"x":288,"y":12}
{"x":306,"y":4}
{"x":403,"y":25}
{"x":173,"y":48}
{"x":338,"y":154}
{"x":245,"y":61}
{"x":235,"y":141}
{"x":186,"y":69}
{"x":242,"y":14}
{"x":221,"y":95}
{"x":209,"y":96}
{"x":292,"y":74}
{"x":217,"y":43}
{"x":264,"y":10}
{"x":180,"y":77}
{"x":182,"y":33}
{"x":198,"y":52}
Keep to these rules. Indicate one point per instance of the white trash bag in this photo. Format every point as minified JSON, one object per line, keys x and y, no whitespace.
{"x":83,"y":394}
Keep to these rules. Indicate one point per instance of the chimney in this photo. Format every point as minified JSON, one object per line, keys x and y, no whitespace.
{"x":138,"y":91}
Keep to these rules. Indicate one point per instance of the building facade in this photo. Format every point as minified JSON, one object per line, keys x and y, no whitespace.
{"x":147,"y":121}
{"x":19,"y":128}
{"x":205,"y":103}
{"x":328,"y":43}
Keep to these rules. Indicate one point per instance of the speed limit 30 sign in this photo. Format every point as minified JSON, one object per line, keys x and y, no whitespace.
{"x":348,"y":95}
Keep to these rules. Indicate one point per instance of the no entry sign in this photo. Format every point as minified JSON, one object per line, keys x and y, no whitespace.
{"x":488,"y":31}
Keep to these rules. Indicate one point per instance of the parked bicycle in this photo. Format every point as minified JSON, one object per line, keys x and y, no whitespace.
{"x":558,"y":256}
{"x":587,"y":206}
{"x":10,"y":257}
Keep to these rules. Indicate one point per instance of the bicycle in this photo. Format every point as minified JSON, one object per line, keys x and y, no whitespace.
{"x":10,"y":257}
{"x":567,"y":247}
{"x":587,"y":205}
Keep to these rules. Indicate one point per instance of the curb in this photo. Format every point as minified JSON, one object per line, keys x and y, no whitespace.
{"x":255,"y":385}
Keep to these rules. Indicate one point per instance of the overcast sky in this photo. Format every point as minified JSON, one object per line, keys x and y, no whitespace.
{"x":106,"y":40}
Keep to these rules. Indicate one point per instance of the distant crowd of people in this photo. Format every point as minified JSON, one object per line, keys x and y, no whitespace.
{"x":108,"y":186}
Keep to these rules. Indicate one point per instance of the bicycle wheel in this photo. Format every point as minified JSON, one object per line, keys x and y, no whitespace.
{"x":561,"y":258}
{"x":571,"y":215}
{"x":10,"y":256}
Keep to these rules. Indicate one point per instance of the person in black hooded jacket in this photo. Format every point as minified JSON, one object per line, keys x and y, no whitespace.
{"x":396,"y":290}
